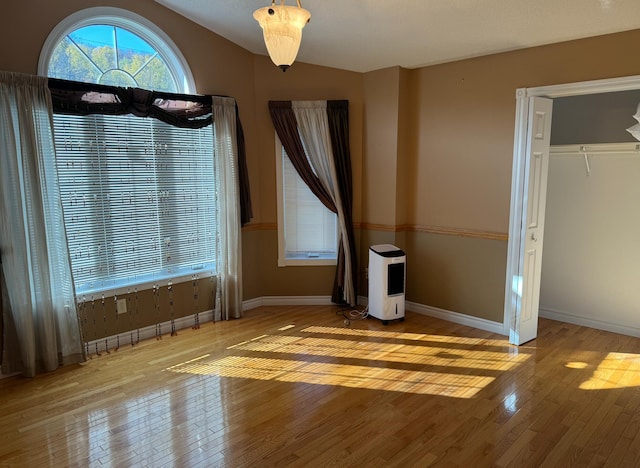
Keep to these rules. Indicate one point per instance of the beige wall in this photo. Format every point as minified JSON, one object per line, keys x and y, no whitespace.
{"x":461,"y":170}
{"x":465,"y":124}
{"x":381,"y":91}
{"x":431,"y":148}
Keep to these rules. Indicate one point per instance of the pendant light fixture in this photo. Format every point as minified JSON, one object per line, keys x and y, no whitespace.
{"x":282,"y":29}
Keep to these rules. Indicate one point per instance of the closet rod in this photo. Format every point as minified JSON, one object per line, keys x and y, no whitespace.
{"x":595,"y":151}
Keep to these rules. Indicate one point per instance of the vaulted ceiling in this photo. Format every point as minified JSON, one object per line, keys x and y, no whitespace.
{"x":365,"y":35}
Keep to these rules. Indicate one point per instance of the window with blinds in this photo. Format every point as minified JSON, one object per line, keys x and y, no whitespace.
{"x":138,"y":199}
{"x":307,"y":230}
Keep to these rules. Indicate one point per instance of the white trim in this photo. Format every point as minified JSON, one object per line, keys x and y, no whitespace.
{"x":625,"y":83}
{"x":130,"y":289}
{"x":252,"y":304}
{"x":187,"y":322}
{"x":206,"y":316}
{"x":133,"y":22}
{"x":283,"y":261}
{"x":311,"y":261}
{"x":280,"y":202}
{"x":512,"y":307}
{"x":146,"y":332}
{"x":513,"y":285}
{"x":567,"y":317}
{"x":456,"y":317}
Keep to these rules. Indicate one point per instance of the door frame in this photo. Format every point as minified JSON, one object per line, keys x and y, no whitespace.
{"x":515,"y":276}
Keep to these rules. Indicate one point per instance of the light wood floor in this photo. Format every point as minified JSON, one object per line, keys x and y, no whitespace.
{"x":292,"y":386}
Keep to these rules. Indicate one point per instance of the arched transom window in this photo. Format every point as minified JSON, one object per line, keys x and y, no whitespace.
{"x":115,"y":47}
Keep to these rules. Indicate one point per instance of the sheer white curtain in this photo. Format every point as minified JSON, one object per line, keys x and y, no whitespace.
{"x":228,"y":244}
{"x":43,"y":322}
{"x":313,"y":127}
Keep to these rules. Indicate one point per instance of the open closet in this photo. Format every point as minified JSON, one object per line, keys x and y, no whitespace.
{"x":591,"y":257}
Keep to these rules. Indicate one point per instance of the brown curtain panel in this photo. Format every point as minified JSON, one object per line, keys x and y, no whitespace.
{"x":284,"y":121}
{"x":338,"y":115}
{"x":286,"y":126}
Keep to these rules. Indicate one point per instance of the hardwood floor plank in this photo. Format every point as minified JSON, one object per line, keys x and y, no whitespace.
{"x":292,"y":386}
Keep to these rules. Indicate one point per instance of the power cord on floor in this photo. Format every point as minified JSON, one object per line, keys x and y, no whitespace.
{"x":353,"y":314}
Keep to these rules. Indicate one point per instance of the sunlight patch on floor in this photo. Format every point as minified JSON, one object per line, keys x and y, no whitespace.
{"x":390,"y":352}
{"x":576,"y":365}
{"x":617,"y":370}
{"x":372,"y":378}
{"x":448,"y":366}
{"x":406,"y":336}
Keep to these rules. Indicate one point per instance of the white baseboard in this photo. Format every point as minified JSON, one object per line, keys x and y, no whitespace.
{"x":456,"y":317}
{"x":252,"y":303}
{"x":568,"y":317}
{"x":146,"y":332}
{"x":186,"y":322}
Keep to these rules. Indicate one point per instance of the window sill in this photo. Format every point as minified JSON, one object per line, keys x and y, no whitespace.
{"x":110,"y":291}
{"x":307,"y":262}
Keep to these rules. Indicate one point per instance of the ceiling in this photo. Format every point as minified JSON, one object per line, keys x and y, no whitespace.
{"x":366,"y":35}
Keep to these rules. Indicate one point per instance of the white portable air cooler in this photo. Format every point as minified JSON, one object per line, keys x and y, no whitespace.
{"x":387,"y":271}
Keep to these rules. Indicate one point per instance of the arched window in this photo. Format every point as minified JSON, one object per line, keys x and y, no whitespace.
{"x":115,"y":47}
{"x":138,"y":193}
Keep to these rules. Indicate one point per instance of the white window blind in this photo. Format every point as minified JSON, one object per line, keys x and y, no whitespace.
{"x":307,"y":229}
{"x":138,"y":199}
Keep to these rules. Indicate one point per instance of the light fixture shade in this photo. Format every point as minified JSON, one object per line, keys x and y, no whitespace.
{"x":282,"y":29}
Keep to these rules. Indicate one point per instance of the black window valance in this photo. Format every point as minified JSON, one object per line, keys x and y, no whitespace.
{"x":179,"y":110}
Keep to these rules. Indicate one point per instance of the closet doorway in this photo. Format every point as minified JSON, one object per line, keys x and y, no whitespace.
{"x":522,"y":284}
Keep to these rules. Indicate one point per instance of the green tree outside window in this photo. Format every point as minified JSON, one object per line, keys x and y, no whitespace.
{"x":110,"y":55}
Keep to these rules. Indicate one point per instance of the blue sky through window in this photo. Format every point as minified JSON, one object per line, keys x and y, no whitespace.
{"x":111,"y":55}
{"x":102,"y":35}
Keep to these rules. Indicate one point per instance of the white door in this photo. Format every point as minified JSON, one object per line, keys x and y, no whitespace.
{"x":534,"y":187}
